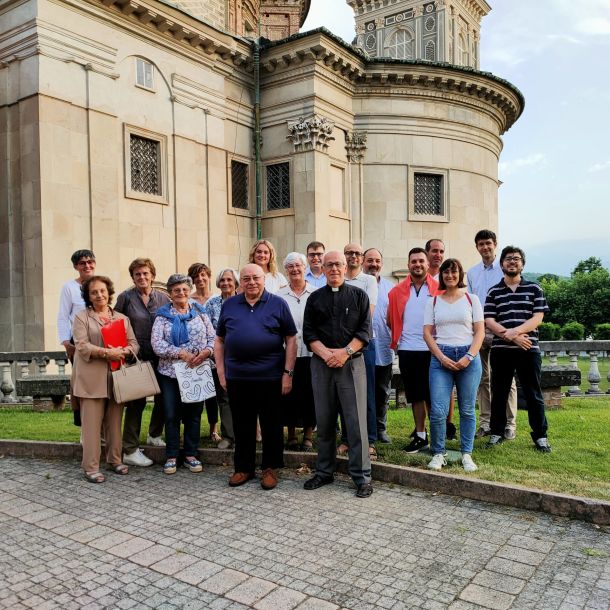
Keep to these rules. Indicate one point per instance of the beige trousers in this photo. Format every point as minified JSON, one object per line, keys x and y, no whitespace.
{"x":484,"y":395}
{"x":98,"y":414}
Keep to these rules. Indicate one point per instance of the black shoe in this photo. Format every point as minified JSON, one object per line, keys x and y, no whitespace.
{"x":383,"y":437}
{"x":317,"y":481}
{"x":364,"y":490}
{"x":450,"y":435}
{"x":494,"y":441}
{"x":417,"y":444}
{"x":542,"y":445}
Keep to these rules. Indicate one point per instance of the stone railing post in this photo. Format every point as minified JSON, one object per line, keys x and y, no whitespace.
{"x":574,"y":390}
{"x":61,"y":365}
{"x":7,"y":386}
{"x":552,"y":357}
{"x":41,"y":362}
{"x":594,"y":377}
{"x":24,"y":365}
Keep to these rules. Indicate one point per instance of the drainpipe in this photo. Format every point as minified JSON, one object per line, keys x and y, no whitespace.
{"x":257,"y":134}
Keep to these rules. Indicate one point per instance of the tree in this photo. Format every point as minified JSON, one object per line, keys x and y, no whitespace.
{"x":547,"y":277}
{"x":588,"y":265}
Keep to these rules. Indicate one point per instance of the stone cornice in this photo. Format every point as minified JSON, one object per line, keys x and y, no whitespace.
{"x":481,"y":89}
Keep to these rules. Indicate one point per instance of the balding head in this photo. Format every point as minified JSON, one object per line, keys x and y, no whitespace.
{"x":252,"y":281}
{"x":334,"y":268}
{"x":353,"y":255}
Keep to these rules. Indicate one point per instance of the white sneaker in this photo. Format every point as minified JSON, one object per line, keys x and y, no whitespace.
{"x":155,"y":441}
{"x":468,"y":464}
{"x":510,"y":434}
{"x":437,"y":462}
{"x":137,"y":458}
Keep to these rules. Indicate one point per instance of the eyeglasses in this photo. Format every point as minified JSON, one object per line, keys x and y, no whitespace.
{"x":353,"y":253}
{"x":247,"y":278}
{"x":291,"y":267}
{"x":513,"y":259}
{"x":331,"y":265}
{"x":315,"y":254}
{"x":88,"y":263}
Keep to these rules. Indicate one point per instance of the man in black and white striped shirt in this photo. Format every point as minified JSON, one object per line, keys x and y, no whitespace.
{"x":514,"y":309}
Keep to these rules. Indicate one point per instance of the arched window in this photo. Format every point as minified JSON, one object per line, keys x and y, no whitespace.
{"x":430,"y":51}
{"x":400,"y":44}
{"x":462,"y":51}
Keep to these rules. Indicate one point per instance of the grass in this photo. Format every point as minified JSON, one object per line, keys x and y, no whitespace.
{"x":583,"y":364}
{"x":579,"y":464}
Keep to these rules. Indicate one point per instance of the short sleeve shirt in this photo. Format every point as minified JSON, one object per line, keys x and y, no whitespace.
{"x":254,"y":337}
{"x":511,"y":309}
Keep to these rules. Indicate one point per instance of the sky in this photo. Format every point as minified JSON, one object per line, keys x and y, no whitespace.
{"x":555,"y":167}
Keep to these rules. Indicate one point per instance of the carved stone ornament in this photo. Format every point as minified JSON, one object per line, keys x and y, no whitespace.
{"x":355,"y":145}
{"x":313,"y":133}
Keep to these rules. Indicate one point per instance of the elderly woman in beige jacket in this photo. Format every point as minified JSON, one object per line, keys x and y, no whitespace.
{"x":92,"y":381}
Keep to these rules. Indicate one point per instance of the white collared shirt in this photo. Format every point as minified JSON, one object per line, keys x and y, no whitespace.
{"x":296,"y":304}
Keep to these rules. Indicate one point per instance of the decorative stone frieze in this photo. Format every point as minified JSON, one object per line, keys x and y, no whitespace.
{"x":355,"y":146}
{"x":313,"y":133}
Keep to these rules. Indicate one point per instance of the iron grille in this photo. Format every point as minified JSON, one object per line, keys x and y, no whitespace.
{"x":239,"y":185}
{"x":145,"y":165}
{"x":278,"y":186}
{"x":430,"y":51}
{"x":428,"y":194}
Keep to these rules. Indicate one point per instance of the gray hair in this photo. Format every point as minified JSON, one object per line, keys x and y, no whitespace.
{"x":223,"y":271}
{"x":178,"y":278}
{"x":295,"y":257}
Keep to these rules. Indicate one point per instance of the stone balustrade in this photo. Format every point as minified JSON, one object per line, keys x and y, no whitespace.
{"x":574,"y":349}
{"x":25,"y":377}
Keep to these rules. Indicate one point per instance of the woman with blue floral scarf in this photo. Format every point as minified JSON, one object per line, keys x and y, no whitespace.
{"x":180,"y":332}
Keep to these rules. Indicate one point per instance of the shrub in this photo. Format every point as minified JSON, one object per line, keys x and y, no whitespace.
{"x":602,"y":332}
{"x":573,"y":331}
{"x":549,"y":331}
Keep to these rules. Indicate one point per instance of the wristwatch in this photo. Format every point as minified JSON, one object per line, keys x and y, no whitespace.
{"x":349,"y":350}
{"x":289,"y":372}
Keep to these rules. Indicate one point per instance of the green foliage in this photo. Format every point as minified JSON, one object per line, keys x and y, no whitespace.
{"x":584,"y":297}
{"x":549,"y":331}
{"x":590,"y":264}
{"x":548,"y":277}
{"x":602,"y":332}
{"x":573,"y":331}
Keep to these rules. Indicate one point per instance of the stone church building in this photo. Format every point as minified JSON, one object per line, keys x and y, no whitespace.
{"x":161,"y":129}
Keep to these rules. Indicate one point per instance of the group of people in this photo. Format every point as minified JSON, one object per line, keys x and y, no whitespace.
{"x":308,"y":349}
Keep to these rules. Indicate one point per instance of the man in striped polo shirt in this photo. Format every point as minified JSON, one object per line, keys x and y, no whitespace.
{"x":514,"y":309}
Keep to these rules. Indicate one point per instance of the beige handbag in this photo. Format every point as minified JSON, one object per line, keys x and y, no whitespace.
{"x":134,"y":381}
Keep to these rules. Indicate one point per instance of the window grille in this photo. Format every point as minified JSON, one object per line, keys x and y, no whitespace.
{"x":430,"y":51}
{"x":239,"y":185}
{"x":144,"y":73}
{"x":145,"y":161}
{"x":278,"y":186}
{"x":428,"y":194}
{"x":400,"y":45}
{"x":430,"y":24}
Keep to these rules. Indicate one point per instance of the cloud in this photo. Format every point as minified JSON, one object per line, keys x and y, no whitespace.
{"x":514,"y":165}
{"x":594,"y":25}
{"x":599,"y":167}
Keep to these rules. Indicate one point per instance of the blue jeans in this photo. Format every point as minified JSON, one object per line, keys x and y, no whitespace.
{"x":369,"y":355}
{"x":441,"y":385}
{"x":176,"y":411}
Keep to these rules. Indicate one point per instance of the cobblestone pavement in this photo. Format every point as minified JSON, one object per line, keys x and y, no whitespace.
{"x":148,"y":540}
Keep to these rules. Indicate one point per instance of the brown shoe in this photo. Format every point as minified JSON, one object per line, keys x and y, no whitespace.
{"x":239,"y":478}
{"x":268,"y":478}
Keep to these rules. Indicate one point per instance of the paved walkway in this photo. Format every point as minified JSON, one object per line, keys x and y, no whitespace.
{"x":189,"y":541}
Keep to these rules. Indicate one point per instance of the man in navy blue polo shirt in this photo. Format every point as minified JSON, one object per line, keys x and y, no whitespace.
{"x":514,"y":309}
{"x":255,"y":350}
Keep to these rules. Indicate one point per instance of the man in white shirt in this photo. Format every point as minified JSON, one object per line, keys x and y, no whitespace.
{"x":384,"y":356}
{"x":481,"y":278}
{"x":314,"y":274}
{"x":70,"y":298}
{"x":355,"y":276}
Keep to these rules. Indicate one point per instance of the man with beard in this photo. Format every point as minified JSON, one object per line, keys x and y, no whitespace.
{"x":514,"y":309}
{"x":407,"y":303}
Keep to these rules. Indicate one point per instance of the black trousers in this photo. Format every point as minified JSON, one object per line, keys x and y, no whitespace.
{"x":505,"y":362}
{"x":249,"y":400}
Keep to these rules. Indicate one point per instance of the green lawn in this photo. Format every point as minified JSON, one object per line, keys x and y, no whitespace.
{"x":578,"y":465}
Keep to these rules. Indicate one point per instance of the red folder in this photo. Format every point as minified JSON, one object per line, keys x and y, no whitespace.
{"x":115,"y":335}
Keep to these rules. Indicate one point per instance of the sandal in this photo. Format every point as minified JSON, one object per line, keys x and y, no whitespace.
{"x":170,"y":466}
{"x":292,"y":444}
{"x":372,"y":453}
{"x":215,"y":437}
{"x":307,"y":444}
{"x":342,"y":449}
{"x":95,"y":477}
{"x":119,"y":468}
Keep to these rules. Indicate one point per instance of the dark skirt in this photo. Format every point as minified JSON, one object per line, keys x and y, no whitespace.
{"x":298,"y":408}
